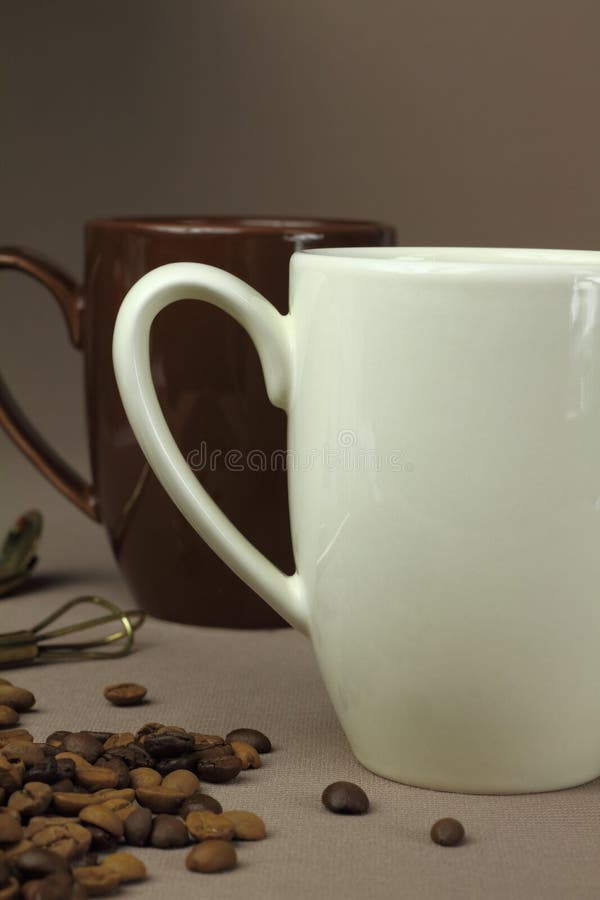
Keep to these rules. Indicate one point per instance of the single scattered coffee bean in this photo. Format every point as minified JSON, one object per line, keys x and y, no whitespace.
{"x":346,"y":798}
{"x":167,"y":832}
{"x":218,"y":771}
{"x":256,"y":739}
{"x":211,"y":856}
{"x":246,"y":754}
{"x":138,"y":827}
{"x":17,"y":698}
{"x":447,"y":832}
{"x":11,"y":829}
{"x":97,"y":880}
{"x":205,"y":826}
{"x":37,"y":863}
{"x":102,"y":817}
{"x":247,"y":826}
{"x":199,"y":802}
{"x":125,"y":694}
{"x":8,"y":715}
{"x":84,"y":744}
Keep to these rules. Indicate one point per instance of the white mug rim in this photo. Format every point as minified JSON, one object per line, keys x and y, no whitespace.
{"x":425,"y":260}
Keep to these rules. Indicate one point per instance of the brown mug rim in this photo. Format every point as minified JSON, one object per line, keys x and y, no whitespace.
{"x":246,"y":224}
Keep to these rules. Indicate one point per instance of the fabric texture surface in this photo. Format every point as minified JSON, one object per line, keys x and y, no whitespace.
{"x":533,"y":846}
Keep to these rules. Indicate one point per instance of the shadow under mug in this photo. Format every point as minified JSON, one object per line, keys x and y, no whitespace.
{"x":211,"y":389}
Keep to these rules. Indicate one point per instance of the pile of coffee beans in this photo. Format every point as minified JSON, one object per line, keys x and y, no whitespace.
{"x":77,"y":795}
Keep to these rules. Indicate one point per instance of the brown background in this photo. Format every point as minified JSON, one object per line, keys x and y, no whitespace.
{"x":463,"y":122}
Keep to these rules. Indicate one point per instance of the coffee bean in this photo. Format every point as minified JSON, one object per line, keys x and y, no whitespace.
{"x":71,"y":804}
{"x":46,"y":771}
{"x":199,"y":802}
{"x":121,"y":739}
{"x":10,"y":829}
{"x":10,"y":890}
{"x":101,"y":736}
{"x":15,"y":734}
{"x":247,"y":825}
{"x":144,"y":777}
{"x":256,"y":739}
{"x":219,"y":771}
{"x":211,"y":856}
{"x":128,"y":867}
{"x":187,"y":761}
{"x":125,"y":694}
{"x":121,"y":808}
{"x":211,"y":753}
{"x":63,"y":786}
{"x":447,"y":832}
{"x":83,"y":744}
{"x":246,"y":754}
{"x":206,"y":741}
{"x":133,"y":756}
{"x":138,"y":827}
{"x":97,"y":880}
{"x":69,"y":839}
{"x":346,"y":798}
{"x":148,"y":728}
{"x":29,"y":754}
{"x":119,"y":767}
{"x":159,"y":799}
{"x":37,"y":863}
{"x":65,"y":768}
{"x":167,"y":832}
{"x":85,"y":859}
{"x":8,"y":715}
{"x":56,"y":738}
{"x":58,"y":886}
{"x":17,"y":698}
{"x":102,"y":817}
{"x":102,"y":841}
{"x":181,"y":781}
{"x":33,"y":800}
{"x":204,"y":826}
{"x":168,"y":744}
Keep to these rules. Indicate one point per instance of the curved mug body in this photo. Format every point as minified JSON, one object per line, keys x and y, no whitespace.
{"x":444,"y":484}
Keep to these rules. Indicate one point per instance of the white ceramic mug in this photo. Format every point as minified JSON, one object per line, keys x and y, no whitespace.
{"x":444,"y":481}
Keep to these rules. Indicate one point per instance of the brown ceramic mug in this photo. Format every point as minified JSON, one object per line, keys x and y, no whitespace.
{"x":211,"y":388}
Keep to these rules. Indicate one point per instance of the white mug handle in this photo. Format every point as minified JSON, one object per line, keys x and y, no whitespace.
{"x":271,"y":333}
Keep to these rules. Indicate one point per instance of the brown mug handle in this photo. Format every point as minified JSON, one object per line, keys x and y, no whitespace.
{"x":14,"y":421}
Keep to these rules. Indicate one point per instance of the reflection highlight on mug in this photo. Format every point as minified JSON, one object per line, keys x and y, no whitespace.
{"x":347,"y":454}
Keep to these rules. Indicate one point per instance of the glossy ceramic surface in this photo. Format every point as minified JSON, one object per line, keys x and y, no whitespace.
{"x":211,"y":389}
{"x":444,"y":423}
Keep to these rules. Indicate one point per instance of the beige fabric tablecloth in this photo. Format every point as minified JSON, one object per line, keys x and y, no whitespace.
{"x":538,"y":846}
